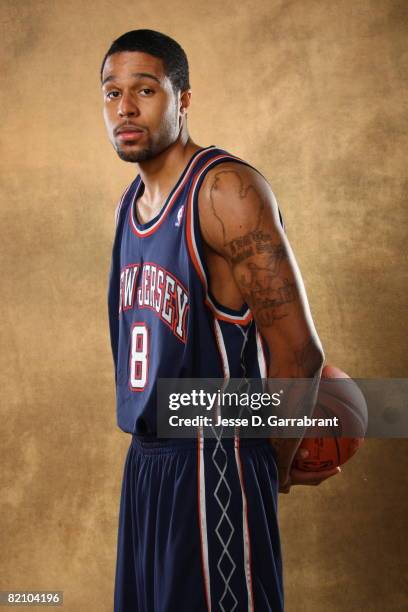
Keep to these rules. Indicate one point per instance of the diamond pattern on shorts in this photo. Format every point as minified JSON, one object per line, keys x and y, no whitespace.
{"x":224,"y":529}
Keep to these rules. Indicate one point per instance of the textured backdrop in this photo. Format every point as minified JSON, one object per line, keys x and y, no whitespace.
{"x":313,"y":93}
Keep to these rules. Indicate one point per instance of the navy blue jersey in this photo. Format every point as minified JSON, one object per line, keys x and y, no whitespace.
{"x":164,"y":321}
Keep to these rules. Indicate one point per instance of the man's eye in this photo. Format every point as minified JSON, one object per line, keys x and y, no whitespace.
{"x":112,"y":94}
{"x":146,"y":91}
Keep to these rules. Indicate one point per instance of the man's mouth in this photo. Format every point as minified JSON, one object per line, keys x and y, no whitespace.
{"x":129,"y":132}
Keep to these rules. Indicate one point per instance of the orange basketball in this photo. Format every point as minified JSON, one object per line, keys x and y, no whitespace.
{"x":342,"y":400}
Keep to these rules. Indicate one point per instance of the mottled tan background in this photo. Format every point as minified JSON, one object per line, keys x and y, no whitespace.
{"x":314,"y":93}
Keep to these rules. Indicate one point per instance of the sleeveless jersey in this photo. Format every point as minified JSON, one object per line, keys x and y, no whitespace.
{"x":164,"y":321}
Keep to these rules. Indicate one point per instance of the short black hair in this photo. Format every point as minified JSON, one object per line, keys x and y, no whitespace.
{"x":159,"y":45}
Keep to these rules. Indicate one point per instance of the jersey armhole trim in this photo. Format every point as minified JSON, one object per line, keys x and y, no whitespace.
{"x":120,"y":204}
{"x":147,"y":229}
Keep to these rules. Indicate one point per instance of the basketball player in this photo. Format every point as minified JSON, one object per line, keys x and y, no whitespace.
{"x":203,"y":284}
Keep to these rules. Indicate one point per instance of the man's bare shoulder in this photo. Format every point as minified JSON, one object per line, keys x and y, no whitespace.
{"x":237,"y":196}
{"x":230,"y":175}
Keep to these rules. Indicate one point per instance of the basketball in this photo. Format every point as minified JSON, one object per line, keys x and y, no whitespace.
{"x":347,"y":402}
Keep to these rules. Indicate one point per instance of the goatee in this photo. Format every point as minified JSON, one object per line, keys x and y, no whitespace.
{"x":134,"y":156}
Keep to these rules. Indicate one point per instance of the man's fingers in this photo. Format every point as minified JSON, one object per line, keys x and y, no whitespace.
{"x":312,"y":478}
{"x":286,"y":487}
{"x":301,"y":477}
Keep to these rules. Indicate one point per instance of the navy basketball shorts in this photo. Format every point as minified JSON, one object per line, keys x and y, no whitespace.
{"x":198,"y":528}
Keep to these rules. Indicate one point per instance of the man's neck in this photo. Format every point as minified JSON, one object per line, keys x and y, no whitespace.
{"x":161,"y":173}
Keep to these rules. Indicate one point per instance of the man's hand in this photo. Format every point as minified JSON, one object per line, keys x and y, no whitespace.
{"x":300,"y":477}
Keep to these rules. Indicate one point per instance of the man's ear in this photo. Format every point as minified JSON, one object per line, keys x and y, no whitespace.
{"x":185,"y":101}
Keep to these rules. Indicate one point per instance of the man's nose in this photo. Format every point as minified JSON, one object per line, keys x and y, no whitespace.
{"x":127,"y":106}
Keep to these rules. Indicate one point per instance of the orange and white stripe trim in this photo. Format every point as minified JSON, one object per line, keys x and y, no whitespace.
{"x":263,"y":370}
{"x":202,"y":518}
{"x":120,"y":204}
{"x":245,"y":528}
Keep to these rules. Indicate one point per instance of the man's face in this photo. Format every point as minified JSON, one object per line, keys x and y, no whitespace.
{"x":141,"y":109}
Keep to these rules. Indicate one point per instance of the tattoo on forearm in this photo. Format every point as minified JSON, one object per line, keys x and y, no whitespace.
{"x":265,"y":288}
{"x":307,"y":358}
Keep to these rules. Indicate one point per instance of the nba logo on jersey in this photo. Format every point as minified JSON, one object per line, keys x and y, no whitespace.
{"x":180,"y":213}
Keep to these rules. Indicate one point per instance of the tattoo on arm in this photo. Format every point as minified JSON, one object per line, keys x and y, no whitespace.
{"x":307,"y":358}
{"x":265,"y":287}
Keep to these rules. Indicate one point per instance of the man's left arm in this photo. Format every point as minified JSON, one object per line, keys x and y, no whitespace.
{"x":239,"y":220}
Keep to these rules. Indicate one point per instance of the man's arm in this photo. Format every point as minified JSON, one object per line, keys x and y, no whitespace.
{"x":239,"y":220}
